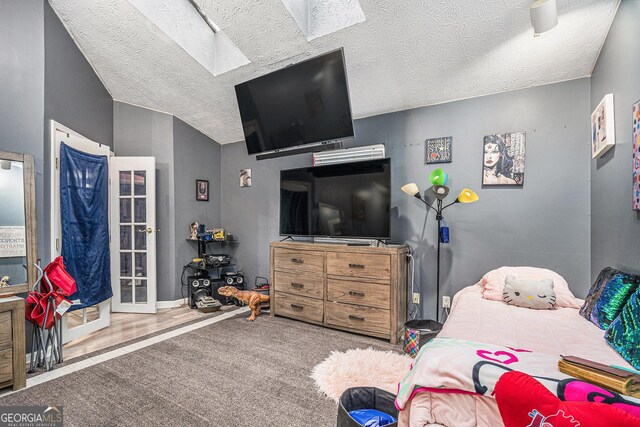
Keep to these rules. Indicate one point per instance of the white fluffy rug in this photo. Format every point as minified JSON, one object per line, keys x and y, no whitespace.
{"x":360,"y":368}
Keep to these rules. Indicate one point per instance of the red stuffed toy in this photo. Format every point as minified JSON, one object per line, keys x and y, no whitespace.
{"x":524,"y":402}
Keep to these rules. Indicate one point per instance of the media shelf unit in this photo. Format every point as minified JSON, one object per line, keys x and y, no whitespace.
{"x":359,"y":289}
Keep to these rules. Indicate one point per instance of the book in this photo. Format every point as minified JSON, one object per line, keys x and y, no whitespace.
{"x":619,"y":380}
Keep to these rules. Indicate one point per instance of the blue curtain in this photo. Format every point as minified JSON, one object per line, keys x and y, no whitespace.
{"x":84,"y":214}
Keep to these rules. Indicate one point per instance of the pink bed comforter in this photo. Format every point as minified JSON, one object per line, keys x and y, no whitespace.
{"x":561,"y":331}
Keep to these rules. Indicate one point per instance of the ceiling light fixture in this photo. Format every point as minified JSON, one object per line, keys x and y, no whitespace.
{"x":544,"y":16}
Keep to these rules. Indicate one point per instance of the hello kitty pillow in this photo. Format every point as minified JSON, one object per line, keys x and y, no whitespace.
{"x":528,"y":293}
{"x":493,"y":282}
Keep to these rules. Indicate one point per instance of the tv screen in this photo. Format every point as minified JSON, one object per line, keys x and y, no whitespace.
{"x":304,"y":103}
{"x":342,"y":200}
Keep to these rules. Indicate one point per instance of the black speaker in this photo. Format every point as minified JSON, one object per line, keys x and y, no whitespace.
{"x":199,"y":287}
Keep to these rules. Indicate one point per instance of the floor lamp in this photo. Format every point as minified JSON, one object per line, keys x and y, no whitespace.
{"x":438,"y":180}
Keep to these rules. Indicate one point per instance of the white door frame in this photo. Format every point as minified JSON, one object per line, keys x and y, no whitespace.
{"x":104,"y":318}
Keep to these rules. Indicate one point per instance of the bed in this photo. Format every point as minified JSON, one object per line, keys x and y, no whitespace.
{"x":560,"y":331}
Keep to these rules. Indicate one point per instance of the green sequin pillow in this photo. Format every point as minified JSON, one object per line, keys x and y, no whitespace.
{"x":624,"y":332}
{"x":614,"y":296}
{"x":596,"y":290}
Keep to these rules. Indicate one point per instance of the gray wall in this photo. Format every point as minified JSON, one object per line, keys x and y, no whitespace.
{"x":44,"y":76}
{"x":141,"y":132}
{"x":22,"y":88}
{"x":196,"y":156}
{"x":615,"y":226}
{"x":73,"y":96}
{"x":545,"y":223}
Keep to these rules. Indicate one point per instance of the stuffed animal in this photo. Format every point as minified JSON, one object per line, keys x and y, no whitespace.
{"x":252,"y":298}
{"x":4,"y":282}
{"x":536,"y":294}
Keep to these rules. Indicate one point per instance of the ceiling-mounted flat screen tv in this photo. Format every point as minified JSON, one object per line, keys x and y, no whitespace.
{"x":342,"y":200}
{"x":301,"y":104}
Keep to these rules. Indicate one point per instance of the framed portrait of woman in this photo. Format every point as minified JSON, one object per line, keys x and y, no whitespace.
{"x":503,"y":159}
{"x":202,"y":190}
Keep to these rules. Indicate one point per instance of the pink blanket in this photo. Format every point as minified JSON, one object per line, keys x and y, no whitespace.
{"x":552,"y":332}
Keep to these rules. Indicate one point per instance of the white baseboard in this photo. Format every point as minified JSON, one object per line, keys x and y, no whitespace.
{"x":170,"y":304}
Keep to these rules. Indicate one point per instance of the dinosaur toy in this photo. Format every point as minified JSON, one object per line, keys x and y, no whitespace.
{"x":252,"y":298}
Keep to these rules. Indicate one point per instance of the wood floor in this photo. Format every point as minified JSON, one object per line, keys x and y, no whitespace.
{"x":128,"y":326}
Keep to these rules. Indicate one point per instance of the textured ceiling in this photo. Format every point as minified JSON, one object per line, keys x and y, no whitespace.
{"x":406,"y":54}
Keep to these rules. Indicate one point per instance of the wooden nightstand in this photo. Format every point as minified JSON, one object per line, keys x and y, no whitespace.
{"x":13,"y":368}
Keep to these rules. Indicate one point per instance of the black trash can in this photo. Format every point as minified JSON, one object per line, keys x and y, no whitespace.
{"x":365,"y":398}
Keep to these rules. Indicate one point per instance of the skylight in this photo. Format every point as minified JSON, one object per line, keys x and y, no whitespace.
{"x":317,"y":18}
{"x":194,"y":32}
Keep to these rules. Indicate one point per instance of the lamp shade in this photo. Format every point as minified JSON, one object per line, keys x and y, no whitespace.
{"x":544,"y":16}
{"x":467,"y":196}
{"x":438,"y":177}
{"x":410,"y":189}
{"x":440,"y":191}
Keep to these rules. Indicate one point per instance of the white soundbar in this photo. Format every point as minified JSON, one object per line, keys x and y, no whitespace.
{"x":346,"y":155}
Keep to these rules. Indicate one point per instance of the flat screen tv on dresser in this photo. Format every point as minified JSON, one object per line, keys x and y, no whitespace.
{"x":347,"y":200}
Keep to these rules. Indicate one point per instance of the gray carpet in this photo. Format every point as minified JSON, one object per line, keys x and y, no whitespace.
{"x":232,"y":373}
{"x":40,"y":370}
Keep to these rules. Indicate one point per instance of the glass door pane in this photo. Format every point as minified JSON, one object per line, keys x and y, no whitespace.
{"x":133,"y":237}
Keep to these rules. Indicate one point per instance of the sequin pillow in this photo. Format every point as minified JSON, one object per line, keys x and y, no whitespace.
{"x":596,"y":290}
{"x":624,"y":332}
{"x":614,"y":296}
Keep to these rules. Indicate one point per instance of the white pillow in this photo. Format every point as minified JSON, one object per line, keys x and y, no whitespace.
{"x":528,"y":293}
{"x":493,"y":283}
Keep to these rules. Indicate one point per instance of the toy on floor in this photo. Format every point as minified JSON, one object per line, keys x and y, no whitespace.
{"x":251,"y":298}
{"x":4,"y":282}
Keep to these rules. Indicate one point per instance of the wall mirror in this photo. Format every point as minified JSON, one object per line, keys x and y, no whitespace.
{"x":18,"y":235}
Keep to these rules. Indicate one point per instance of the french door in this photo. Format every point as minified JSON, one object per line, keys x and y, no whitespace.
{"x":133,"y":234}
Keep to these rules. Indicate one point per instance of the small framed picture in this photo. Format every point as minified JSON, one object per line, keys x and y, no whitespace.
{"x":245,"y":177}
{"x":202,"y":190}
{"x":438,"y":150}
{"x":602,"y":127}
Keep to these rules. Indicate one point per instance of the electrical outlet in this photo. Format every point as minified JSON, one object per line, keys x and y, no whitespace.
{"x":416,"y":298}
{"x":446,"y":302}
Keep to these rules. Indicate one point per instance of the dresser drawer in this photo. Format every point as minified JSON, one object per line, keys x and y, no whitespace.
{"x":299,"y":260}
{"x":6,"y":330}
{"x":357,"y":317}
{"x":363,"y":293}
{"x":6,"y":365}
{"x":304,"y":284}
{"x":298,"y":307}
{"x":359,"y":265}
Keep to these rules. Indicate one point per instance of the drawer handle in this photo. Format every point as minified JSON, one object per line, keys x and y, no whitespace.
{"x":297,"y":260}
{"x":356,"y":293}
{"x":356,"y":265}
{"x":297,"y":285}
{"x":359,"y":318}
{"x":297,"y":307}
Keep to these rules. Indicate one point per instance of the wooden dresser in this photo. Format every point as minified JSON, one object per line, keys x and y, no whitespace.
{"x":12,"y":343}
{"x":358,"y":289}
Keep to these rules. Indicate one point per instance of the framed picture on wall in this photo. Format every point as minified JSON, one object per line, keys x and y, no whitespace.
{"x":245,"y":177}
{"x":635,"y":142}
{"x":438,"y":150}
{"x":503,"y":159}
{"x":202,"y":190}
{"x":602,"y":127}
